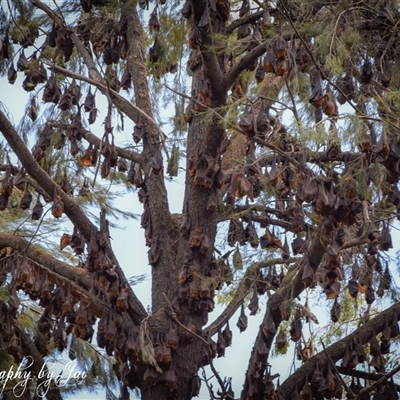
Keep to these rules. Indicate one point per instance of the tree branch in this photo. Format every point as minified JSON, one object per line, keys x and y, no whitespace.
{"x":80,"y":280}
{"x":242,"y":291}
{"x":71,"y":207}
{"x":244,"y":62}
{"x":336,"y":351}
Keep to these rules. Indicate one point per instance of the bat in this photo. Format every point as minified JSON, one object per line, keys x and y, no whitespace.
{"x":366,"y":72}
{"x":205,"y":21}
{"x":195,"y":386}
{"x":280,"y":47}
{"x":65,"y":101}
{"x":7,"y":183}
{"x":51,"y":92}
{"x":104,"y":230}
{"x":121,"y":303}
{"x":242,"y":321}
{"x":156,"y":162}
{"x":281,"y":341}
{"x":251,"y":235}
{"x":26,"y":199}
{"x":385,"y":239}
{"x":172,"y":337}
{"x":308,"y":275}
{"x":269,"y":62}
{"x":335,"y":311}
{"x":65,"y":184}
{"x":246,"y":121}
{"x":12,"y":74}
{"x":253,"y":304}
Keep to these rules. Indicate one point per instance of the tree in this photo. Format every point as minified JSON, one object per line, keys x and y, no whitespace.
{"x":291,"y":134}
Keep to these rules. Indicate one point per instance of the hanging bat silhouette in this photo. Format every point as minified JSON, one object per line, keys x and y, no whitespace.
{"x":374,"y":347}
{"x":285,"y":249}
{"x":282,"y":67}
{"x":12,"y":74}
{"x":243,"y":31}
{"x":370,"y":295}
{"x":7,"y":183}
{"x":170,"y":379}
{"x":246,"y":121}
{"x":121,"y":303}
{"x":93,"y":247}
{"x":46,"y":291}
{"x":126,"y":80}
{"x":205,"y":21}
{"x":240,"y":186}
{"x":122,"y":165}
{"x":172,"y":337}
{"x":162,"y":354}
{"x":281,"y":340}
{"x":329,"y":106}
{"x":195,"y":386}
{"x":235,"y":232}
{"x":242,"y":321}
{"x":385,"y":239}
{"x":306,"y":392}
{"x":308,"y":276}
{"x":269,"y":240}
{"x":335,"y":311}
{"x":26,"y":199}
{"x":378,"y":363}
{"x":385,"y":338}
{"x":52,"y":92}
{"x":65,"y":184}
{"x":104,"y":230}
{"x":321,"y":201}
{"x":65,"y":101}
{"x":366,"y":72}
{"x":269,"y":62}
{"x":32,"y":112}
{"x":386,"y":74}
{"x":296,"y":329}
{"x":138,"y":130}
{"x":309,"y":188}
{"x":382,"y":148}
{"x":105,"y":168}
{"x":268,"y":327}
{"x":19,"y":179}
{"x":74,"y":150}
{"x":251,"y":235}
{"x":77,"y":242}
{"x":253,"y":304}
{"x":227,"y":335}
{"x":280,"y":47}
{"x":212,"y":206}
{"x":154,"y":252}
{"x":274,"y":175}
{"x":150,"y":376}
{"x":68,"y":301}
{"x":156,"y":52}
{"x":22,"y":63}
{"x":156,"y":162}
{"x":260,"y":72}
{"x":113,"y":156}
